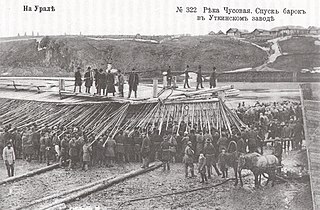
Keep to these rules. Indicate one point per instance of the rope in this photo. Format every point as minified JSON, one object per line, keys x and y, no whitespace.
{"x":177,"y":193}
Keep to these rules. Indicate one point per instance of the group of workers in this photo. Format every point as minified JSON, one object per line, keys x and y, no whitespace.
{"x":72,"y":146}
{"x":105,"y":81}
{"x":199,"y":79}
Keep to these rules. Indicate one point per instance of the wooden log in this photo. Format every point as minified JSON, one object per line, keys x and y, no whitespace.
{"x":56,"y":195}
{"x":102,"y":186}
{"x":31,"y":173}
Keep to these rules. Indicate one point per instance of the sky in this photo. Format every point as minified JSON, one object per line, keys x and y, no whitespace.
{"x":146,"y":17}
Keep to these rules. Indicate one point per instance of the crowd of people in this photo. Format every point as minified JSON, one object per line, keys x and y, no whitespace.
{"x":73,"y":147}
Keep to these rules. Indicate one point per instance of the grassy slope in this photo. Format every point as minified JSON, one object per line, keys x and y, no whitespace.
{"x":22,"y":57}
{"x":301,"y":53}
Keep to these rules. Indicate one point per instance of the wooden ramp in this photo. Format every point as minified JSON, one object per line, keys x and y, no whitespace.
{"x":310,"y":99}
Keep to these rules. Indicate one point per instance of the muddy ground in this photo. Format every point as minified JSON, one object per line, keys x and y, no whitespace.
{"x":294,"y":194}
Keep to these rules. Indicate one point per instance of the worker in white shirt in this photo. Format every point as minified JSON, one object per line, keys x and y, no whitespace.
{"x":9,"y":158}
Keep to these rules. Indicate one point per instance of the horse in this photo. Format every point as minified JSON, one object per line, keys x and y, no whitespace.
{"x":229,"y":159}
{"x":258,"y":164}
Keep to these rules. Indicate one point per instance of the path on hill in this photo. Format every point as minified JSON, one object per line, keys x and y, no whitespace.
{"x":276,"y":48}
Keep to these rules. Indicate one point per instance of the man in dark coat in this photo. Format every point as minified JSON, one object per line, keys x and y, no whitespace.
{"x":88,"y":80}
{"x":35,"y":138}
{"x":133,"y":83}
{"x":165,"y":152}
{"x":199,"y":78}
{"x":96,"y":79}
{"x":213,"y":78}
{"x":110,"y":83}
{"x":77,"y":81}
{"x":120,"y":83}
{"x":102,"y":82}
{"x":145,"y":150}
{"x":186,"y":77}
{"x":210,"y":153}
{"x":188,"y":159}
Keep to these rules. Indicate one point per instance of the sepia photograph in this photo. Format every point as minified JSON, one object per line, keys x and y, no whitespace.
{"x":160,"y":104}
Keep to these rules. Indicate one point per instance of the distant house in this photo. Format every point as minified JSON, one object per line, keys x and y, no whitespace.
{"x":220,"y":33}
{"x":233,"y":32}
{"x":292,"y":31}
{"x":260,"y":32}
{"x":212,"y":33}
{"x":313,"y":30}
{"x":274,"y":33}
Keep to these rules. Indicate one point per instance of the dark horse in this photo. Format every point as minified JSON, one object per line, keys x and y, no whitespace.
{"x":258,"y":164}
{"x":230,"y":159}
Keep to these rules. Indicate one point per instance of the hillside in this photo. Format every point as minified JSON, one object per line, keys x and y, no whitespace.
{"x":298,"y":53}
{"x":57,"y":56}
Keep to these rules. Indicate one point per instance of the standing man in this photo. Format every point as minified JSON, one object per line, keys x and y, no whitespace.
{"x":169,"y":77}
{"x":188,"y":159}
{"x":110,"y":83}
{"x":88,"y":80}
{"x":186,"y":78}
{"x":202,"y":168}
{"x":165,"y":153}
{"x":145,"y":150}
{"x":210,"y":153}
{"x":213,"y":78}
{"x":35,"y":139}
{"x":86,"y":151}
{"x":77,"y":81}
{"x":120,"y":83}
{"x":102,"y":82}
{"x":199,"y":78}
{"x":9,"y":158}
{"x":133,"y":83}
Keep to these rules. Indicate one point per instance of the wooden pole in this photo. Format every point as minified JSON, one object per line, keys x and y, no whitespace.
{"x":155,"y":88}
{"x":31,"y":173}
{"x":102,"y":186}
{"x":56,"y":195}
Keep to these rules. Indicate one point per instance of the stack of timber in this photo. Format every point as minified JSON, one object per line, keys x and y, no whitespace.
{"x":176,"y":112}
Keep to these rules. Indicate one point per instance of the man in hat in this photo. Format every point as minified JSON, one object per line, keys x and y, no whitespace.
{"x":120,"y":150}
{"x":120,"y":83}
{"x":145,"y":150}
{"x":186,"y":77}
{"x":213,"y":78}
{"x":202,"y":168}
{"x":165,"y":152}
{"x":188,"y":159}
{"x":9,"y":158}
{"x":88,"y":79}
{"x":199,"y":78}
{"x":137,"y":140}
{"x":110,"y":83}
{"x":77,"y":81}
{"x":133,"y":83}
{"x":157,"y":140}
{"x":210,"y":153}
{"x":102,"y":82}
